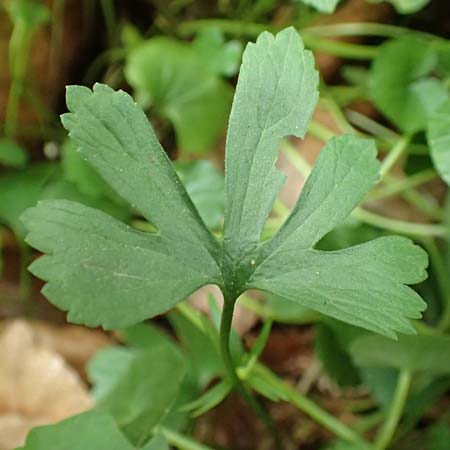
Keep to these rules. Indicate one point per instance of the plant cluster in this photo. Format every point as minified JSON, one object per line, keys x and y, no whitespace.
{"x":128,"y":235}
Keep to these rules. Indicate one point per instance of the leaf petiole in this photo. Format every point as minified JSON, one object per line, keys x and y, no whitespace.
{"x":310,"y":408}
{"x":395,"y":412}
{"x":180,"y":441}
{"x":225,"y":331}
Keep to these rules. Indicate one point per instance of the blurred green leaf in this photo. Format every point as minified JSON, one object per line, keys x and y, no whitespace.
{"x":341,"y":445}
{"x":438,"y":437}
{"x":209,"y":399}
{"x":400,"y":85}
{"x":220,"y":57}
{"x":324,"y":6}
{"x":29,"y":14}
{"x":137,"y":386}
{"x":335,"y":360}
{"x":21,"y":190}
{"x":201,"y":345}
{"x":287,"y":311}
{"x":438,"y":136}
{"x":206,"y":187}
{"x":12,"y":154}
{"x":428,"y":353}
{"x":381,"y":383}
{"x":181,"y":87}
{"x":78,"y":171}
{"x":405,"y":6}
{"x":90,"y":430}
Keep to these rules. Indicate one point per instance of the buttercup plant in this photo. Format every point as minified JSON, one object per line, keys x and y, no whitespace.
{"x":105,"y":273}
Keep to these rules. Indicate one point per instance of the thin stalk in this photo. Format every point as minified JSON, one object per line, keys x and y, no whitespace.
{"x":225,"y":331}
{"x":256,"y":306}
{"x":295,"y":158}
{"x":362,"y":29}
{"x":18,"y":60}
{"x":442,"y":279}
{"x":401,"y":226}
{"x":242,"y":28}
{"x":330,"y":104}
{"x":25,"y":285}
{"x":180,"y":441}
{"x":320,"y":131}
{"x":371,"y":126}
{"x":423,"y":204}
{"x":109,"y":15}
{"x":340,"y":48}
{"x":57,"y":37}
{"x":394,"y":155}
{"x":310,"y":408}
{"x":394,"y":415}
{"x":398,"y":186}
{"x":256,"y":350}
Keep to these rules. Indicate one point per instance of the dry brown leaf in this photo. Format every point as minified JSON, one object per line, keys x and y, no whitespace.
{"x":76,"y":344}
{"x":36,"y":385}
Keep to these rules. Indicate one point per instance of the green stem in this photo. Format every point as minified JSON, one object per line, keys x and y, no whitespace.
{"x":18,"y":59}
{"x":442,"y":279}
{"x":328,"y":101}
{"x":362,"y":29}
{"x":320,"y":131}
{"x":371,"y":126}
{"x":340,"y":48}
{"x":180,"y":441}
{"x":57,"y":37}
{"x":25,"y":284}
{"x":387,"y":431}
{"x":295,"y":158}
{"x":398,"y":186}
{"x":256,"y":350}
{"x":252,"y":30}
{"x":225,"y":331}
{"x":394,"y":155}
{"x":109,"y":15}
{"x":423,"y":204}
{"x":310,"y":408}
{"x":400,"y":226}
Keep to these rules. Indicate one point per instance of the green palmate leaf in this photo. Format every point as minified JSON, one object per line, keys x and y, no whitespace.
{"x":438,"y":136}
{"x":181,"y":86}
{"x":91,"y":430}
{"x":325,"y":6}
{"x":80,"y":173}
{"x":362,"y":285}
{"x":134,"y":275}
{"x":400,"y":85}
{"x":429,"y":353}
{"x":137,"y":387}
{"x":12,"y":154}
{"x":105,"y":273}
{"x":275,"y":96}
